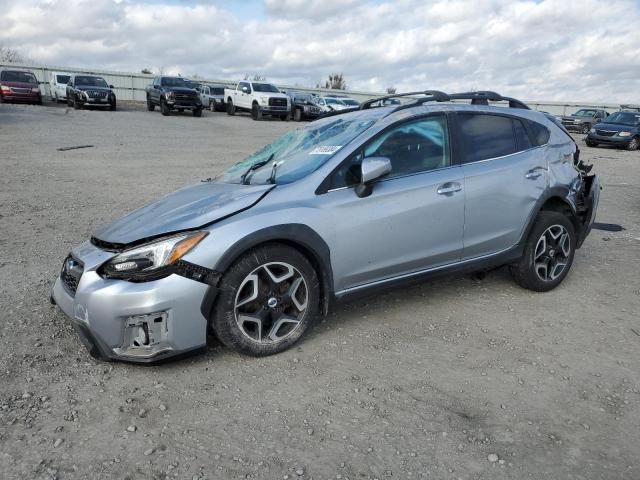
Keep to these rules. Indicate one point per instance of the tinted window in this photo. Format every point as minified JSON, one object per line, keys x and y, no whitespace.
{"x":486,"y":136}
{"x":539,"y":133}
{"x":62,"y":78}
{"x":87,"y":81}
{"x":523,"y":142}
{"x":174,"y":82}
{"x":412,"y":147}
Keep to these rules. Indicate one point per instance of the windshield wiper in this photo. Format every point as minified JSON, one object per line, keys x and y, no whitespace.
{"x":244,"y":178}
{"x":272,"y":177}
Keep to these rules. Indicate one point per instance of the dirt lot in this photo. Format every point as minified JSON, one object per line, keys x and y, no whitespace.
{"x":423,"y":382}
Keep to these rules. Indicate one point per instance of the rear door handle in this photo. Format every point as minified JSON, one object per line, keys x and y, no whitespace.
{"x":449,"y":188}
{"x":535,"y":173}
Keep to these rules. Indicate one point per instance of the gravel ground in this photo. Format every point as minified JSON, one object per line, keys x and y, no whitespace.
{"x":460,"y":378}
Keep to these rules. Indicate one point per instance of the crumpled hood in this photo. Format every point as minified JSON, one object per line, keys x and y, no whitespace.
{"x":188,"y":208}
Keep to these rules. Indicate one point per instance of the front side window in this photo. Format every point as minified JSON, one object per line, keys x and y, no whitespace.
{"x":584,"y":113}
{"x":412,"y":147}
{"x":486,"y":136}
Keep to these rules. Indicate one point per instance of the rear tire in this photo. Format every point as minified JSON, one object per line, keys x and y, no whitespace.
{"x":634,"y":144}
{"x":548,"y":253}
{"x":231,"y":108}
{"x":268,"y":299}
{"x":164,"y":108}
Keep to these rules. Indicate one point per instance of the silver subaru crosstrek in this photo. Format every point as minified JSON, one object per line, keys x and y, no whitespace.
{"x":362,"y":199}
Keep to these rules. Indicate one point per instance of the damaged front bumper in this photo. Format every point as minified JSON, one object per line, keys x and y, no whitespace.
{"x":142,"y":322}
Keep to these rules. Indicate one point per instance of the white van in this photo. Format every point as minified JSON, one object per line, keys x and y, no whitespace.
{"x":58,"y":86}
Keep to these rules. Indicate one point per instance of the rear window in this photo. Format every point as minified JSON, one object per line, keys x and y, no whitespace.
{"x":486,"y":136}
{"x":22,"y":77}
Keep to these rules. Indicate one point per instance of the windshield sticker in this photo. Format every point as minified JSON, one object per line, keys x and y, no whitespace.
{"x":325,"y":150}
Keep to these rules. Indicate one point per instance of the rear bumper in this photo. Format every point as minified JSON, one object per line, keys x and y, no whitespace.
{"x":110,"y":315}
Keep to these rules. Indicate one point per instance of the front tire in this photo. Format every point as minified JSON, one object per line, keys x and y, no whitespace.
{"x":164,"y":108}
{"x":591,"y":143}
{"x":548,"y":253}
{"x":197,"y":112}
{"x":231,"y":108}
{"x":256,"y":113}
{"x":76,"y":104}
{"x":112,"y":106}
{"x":586,"y":128}
{"x":634,"y":144}
{"x":150,"y":106}
{"x":268,"y":299}
{"x":297,"y":115}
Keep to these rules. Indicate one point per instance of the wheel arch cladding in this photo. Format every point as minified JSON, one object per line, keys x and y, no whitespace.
{"x":556,"y":200}
{"x":297,"y":236}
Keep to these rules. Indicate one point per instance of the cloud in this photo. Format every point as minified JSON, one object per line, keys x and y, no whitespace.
{"x":537,"y":50}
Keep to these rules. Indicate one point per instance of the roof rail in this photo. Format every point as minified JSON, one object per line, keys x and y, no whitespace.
{"x":481,"y":97}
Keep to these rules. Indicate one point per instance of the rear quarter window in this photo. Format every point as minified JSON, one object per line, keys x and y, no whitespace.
{"x":539,"y":133}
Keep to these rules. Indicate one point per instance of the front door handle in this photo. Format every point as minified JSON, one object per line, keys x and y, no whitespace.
{"x":535,"y":173}
{"x":449,"y":188}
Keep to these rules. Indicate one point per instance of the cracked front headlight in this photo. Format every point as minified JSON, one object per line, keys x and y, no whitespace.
{"x":624,"y":134}
{"x":153,"y":260}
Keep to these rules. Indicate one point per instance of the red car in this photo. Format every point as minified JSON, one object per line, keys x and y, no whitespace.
{"x":19,"y":86}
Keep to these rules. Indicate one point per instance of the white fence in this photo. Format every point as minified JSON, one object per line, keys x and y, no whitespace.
{"x":131,"y":87}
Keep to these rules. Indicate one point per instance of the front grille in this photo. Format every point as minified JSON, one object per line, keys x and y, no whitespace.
{"x":277,"y":102}
{"x":70,"y":274}
{"x":97,"y":94}
{"x":185,"y":97}
{"x":20,"y":90}
{"x":605,"y":133}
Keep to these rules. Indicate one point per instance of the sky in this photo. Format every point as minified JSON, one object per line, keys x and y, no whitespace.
{"x":563,"y":50}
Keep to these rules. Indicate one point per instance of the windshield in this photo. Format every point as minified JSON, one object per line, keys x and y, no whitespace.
{"x":333,"y":101}
{"x":303,"y":97}
{"x":624,"y":118}
{"x":297,"y":153}
{"x":62,"y":78}
{"x":91,"y":82}
{"x":174,"y":82}
{"x":265,"y":87}
{"x":350,"y":101}
{"x":584,"y":113}
{"x":22,"y":77}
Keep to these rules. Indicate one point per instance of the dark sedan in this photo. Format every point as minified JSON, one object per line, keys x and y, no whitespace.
{"x":621,"y":129}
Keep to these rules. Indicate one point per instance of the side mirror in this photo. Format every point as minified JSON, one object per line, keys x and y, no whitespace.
{"x":111,"y":86}
{"x":372,"y":168}
{"x":245,"y":89}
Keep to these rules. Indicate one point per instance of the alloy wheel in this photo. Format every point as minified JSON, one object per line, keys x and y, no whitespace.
{"x":552,"y":252}
{"x":271,"y":302}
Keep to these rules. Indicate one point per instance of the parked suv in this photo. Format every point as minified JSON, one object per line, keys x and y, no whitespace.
{"x":583,"y":119}
{"x":173,"y":93}
{"x":90,"y":91}
{"x":303,"y":106}
{"x":620,"y":129}
{"x":350,"y":203}
{"x":18,"y":86}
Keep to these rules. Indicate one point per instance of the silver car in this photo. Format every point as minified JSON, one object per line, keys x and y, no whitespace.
{"x":356,"y":201}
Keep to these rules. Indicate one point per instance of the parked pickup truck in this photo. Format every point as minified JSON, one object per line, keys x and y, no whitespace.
{"x":583,"y":119}
{"x":259,"y":98}
{"x":173,"y":93}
